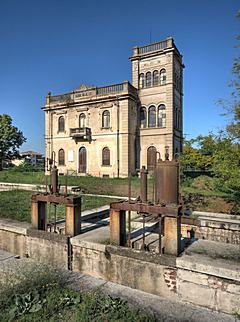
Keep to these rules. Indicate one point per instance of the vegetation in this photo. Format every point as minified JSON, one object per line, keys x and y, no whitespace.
{"x":19,"y":207}
{"x":220,"y":152}
{"x":41,"y":293}
{"x":11,"y":138}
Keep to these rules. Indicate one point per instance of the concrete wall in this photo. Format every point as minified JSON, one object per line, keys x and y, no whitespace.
{"x":207,"y":274}
{"x":139,"y":270}
{"x":18,"y":238}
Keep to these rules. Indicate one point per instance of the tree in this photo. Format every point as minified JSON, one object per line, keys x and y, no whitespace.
{"x":233,"y":107}
{"x":11,"y":138}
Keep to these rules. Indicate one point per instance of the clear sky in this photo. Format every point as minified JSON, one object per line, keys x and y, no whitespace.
{"x":58,"y":44}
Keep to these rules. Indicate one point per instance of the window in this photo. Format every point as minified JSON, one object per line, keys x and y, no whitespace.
{"x":162,"y":115}
{"x":106,"y":119}
{"x":61,"y":124}
{"x":152,"y":116}
{"x":106,"y":156}
{"x":163,"y":77}
{"x":143,"y":117}
{"x":151,"y":158}
{"x":82,"y":121}
{"x":141,"y":80}
{"x":61,"y":157}
{"x":148,"y":79}
{"x":155,"y":78}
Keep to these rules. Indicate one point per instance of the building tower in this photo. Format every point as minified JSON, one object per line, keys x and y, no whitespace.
{"x":157,"y":75}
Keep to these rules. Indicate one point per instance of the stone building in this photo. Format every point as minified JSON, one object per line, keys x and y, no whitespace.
{"x":111,"y":130}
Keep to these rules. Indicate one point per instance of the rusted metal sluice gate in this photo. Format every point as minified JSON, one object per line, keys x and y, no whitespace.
{"x":53,"y":197}
{"x":164,"y":211}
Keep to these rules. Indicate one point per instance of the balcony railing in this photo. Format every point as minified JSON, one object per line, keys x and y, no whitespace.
{"x":60,"y":98}
{"x":81,"y":133}
{"x":167,"y":43}
{"x":110,"y":89}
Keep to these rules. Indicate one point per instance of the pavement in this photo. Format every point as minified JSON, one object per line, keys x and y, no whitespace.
{"x":163,"y":309}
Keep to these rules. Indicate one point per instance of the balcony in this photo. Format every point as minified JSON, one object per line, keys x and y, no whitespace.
{"x":81,"y":134}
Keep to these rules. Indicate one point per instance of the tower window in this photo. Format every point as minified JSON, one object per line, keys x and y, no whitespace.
{"x":162,"y":115}
{"x":106,"y":119}
{"x":106,"y":156}
{"x":82,"y":120}
{"x":143,"y":117}
{"x":163,"y":76}
{"x":152,"y":116}
{"x":61,"y":157}
{"x":155,"y":78}
{"x":61,"y":124}
{"x":148,"y":79}
{"x":141,"y":80}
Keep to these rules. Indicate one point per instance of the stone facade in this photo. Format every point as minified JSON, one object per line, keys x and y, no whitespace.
{"x":107,"y":131}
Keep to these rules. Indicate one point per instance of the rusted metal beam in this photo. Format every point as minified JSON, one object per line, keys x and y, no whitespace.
{"x":171,"y":211}
{"x":57,"y":199}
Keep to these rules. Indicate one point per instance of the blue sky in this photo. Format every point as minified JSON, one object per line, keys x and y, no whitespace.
{"x":58,"y":44}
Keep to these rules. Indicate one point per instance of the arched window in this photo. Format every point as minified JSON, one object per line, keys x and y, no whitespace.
{"x":106,"y":119}
{"x":143,"y":117}
{"x":155,"y":78}
{"x":61,"y":157}
{"x":82,"y":121}
{"x":141,"y":80}
{"x":105,"y":156}
{"x":148,"y":79}
{"x":163,"y":77}
{"x":152,"y":116}
{"x":151,"y":158}
{"x":61,"y":124}
{"x":162,"y":115}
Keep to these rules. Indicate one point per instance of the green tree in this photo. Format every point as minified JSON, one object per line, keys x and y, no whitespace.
{"x":11,"y":138}
{"x":198,"y":153}
{"x":233,"y":107}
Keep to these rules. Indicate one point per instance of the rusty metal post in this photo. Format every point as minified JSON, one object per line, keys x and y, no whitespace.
{"x":167,"y":182}
{"x":143,"y":176}
{"x":54,"y":179}
{"x":143,"y":241}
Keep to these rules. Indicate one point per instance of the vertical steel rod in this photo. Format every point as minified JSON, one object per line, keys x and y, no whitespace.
{"x":160,"y":235}
{"x":55,"y":218}
{"x":143,"y":242}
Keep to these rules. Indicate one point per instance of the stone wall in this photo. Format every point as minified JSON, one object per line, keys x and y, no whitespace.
{"x":225,"y":230}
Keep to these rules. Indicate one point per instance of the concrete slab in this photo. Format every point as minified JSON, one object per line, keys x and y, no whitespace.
{"x":213,"y":258}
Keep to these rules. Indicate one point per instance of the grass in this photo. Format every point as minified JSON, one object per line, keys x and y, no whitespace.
{"x":38,"y":292}
{"x":95,"y":185}
{"x":16,"y":204}
{"x":200,"y":193}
